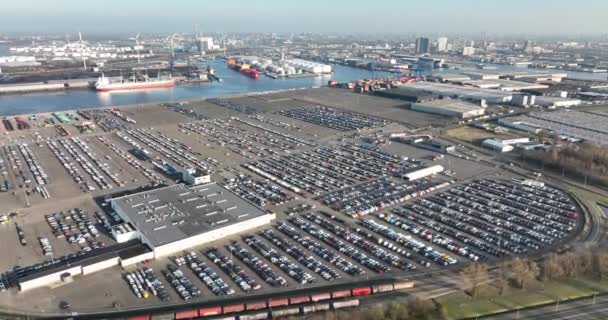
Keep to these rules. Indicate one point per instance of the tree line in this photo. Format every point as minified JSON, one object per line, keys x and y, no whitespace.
{"x":521,"y":273}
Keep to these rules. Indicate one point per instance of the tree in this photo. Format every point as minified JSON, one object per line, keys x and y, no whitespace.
{"x":475,"y":276}
{"x":552,"y":268}
{"x":425,"y":310}
{"x":600,"y":262}
{"x":396,"y":311}
{"x":376,"y":313}
{"x":524,"y":272}
{"x":502,"y":278}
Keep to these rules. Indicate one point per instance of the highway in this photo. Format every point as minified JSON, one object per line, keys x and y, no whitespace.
{"x":585,"y":309}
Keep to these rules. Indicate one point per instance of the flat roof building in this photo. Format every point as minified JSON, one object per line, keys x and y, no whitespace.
{"x":463,"y":92}
{"x":450,"y":108}
{"x":174,"y":218}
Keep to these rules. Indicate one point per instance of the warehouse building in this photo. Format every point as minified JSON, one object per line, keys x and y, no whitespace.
{"x":450,"y":108}
{"x":503,"y":145}
{"x":68,"y":270}
{"x":405,"y":94}
{"x":505,"y":85}
{"x":175,"y":218}
{"x":463,"y":92}
{"x":423,"y":173}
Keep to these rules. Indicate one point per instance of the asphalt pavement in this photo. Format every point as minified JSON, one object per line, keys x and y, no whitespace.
{"x":585,"y":309}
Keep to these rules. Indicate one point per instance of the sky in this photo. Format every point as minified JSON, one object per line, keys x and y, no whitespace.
{"x":537,"y":17}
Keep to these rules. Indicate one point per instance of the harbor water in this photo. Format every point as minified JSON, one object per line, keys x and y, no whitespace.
{"x":232,"y":83}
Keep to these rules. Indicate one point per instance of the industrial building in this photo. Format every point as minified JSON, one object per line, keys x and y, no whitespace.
{"x":504,"y":85}
{"x":158,"y":222}
{"x":435,"y":146}
{"x":463,"y":92}
{"x":191,"y":176}
{"x":503,"y":145}
{"x":449,"y":77}
{"x":403,"y":93}
{"x":175,"y":218}
{"x":556,"y":102}
{"x":442,"y":44}
{"x":422,"y":173}
{"x":572,"y":125}
{"x":523,"y":100}
{"x":468,"y":51}
{"x":66,"y":271}
{"x":450,"y":108}
{"x":422,"y":45}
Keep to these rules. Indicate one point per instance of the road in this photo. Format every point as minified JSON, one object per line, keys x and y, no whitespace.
{"x":585,"y":309}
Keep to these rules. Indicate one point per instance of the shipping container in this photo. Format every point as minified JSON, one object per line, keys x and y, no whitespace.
{"x":186,"y":314}
{"x":296,"y":300}
{"x":278,"y":302}
{"x":340,"y":294}
{"x":285,"y":312}
{"x":362,"y":291}
{"x":320,"y":296}
{"x":256,"y":305}
{"x":382,"y":288}
{"x":403,"y":285}
{"x":211,"y":311}
{"x":234,"y":308}
{"x":345,"y":304}
{"x":163,"y":316}
{"x":255,"y":316}
{"x":315,"y":308}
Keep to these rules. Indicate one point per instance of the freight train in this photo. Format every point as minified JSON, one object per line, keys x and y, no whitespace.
{"x":283,"y":306}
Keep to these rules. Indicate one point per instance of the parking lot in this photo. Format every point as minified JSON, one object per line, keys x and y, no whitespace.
{"x":344,"y":210}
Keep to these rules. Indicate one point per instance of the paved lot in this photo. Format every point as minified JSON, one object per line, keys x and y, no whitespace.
{"x":236,"y":143}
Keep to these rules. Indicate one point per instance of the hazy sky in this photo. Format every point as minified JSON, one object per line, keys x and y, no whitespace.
{"x":344,"y":16}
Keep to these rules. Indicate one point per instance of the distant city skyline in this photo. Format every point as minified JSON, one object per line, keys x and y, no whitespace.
{"x":336,"y":16}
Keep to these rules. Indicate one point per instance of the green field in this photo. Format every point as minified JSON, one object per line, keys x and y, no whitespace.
{"x":458,"y":305}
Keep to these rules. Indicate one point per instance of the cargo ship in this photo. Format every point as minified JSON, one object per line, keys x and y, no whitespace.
{"x":134,"y":83}
{"x":243,"y":68}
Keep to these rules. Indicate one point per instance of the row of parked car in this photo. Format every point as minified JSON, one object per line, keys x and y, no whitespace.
{"x":207,"y":275}
{"x":310,"y":262}
{"x":334,"y":118}
{"x":257,"y":191}
{"x":368,"y":197}
{"x":225,"y":134}
{"x":426,"y":234}
{"x":240,"y":107}
{"x":297,"y":141}
{"x":339,"y":245}
{"x":238,"y":275}
{"x":148,"y":173}
{"x":388,"y":257}
{"x":320,"y":250}
{"x":98,"y":160}
{"x":180,"y":282}
{"x":168,"y":147}
{"x":144,"y":282}
{"x":333,"y":167}
{"x":281,"y":261}
{"x":483,"y":215}
{"x":73,"y":225}
{"x":33,"y":164}
{"x":86,"y":165}
{"x":261,"y":268}
{"x":72,"y":169}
